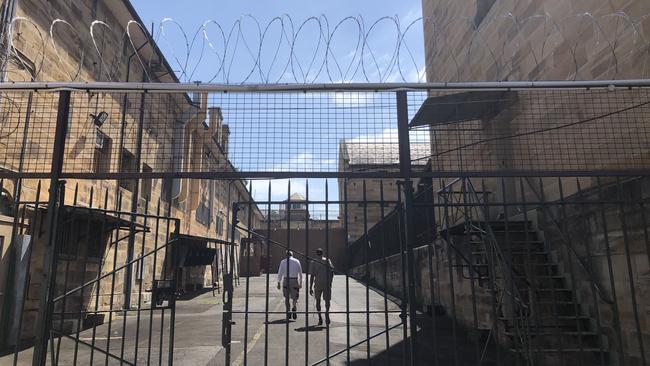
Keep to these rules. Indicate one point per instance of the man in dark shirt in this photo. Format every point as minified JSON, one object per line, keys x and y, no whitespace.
{"x":320,"y":283}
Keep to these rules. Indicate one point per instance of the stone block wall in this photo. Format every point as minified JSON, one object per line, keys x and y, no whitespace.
{"x":72,"y":56}
{"x":536,"y":40}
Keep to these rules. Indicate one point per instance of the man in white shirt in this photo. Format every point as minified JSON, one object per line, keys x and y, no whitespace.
{"x":290,"y":276}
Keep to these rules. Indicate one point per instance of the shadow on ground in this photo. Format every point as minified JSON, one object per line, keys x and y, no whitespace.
{"x":444,"y":346}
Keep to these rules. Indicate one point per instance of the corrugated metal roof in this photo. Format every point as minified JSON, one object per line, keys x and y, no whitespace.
{"x":373,"y":153}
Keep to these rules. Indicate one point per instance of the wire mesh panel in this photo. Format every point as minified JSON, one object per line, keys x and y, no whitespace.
{"x":487,"y":131}
{"x":227,"y":132}
{"x":466,"y":224}
{"x":500,"y":131}
{"x":27,"y":130}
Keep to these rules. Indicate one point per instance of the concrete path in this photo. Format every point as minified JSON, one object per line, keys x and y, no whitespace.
{"x":306,"y":341}
{"x":197,"y":339}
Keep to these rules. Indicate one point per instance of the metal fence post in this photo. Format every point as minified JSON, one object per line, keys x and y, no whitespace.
{"x":48,"y":281}
{"x":128,"y":276}
{"x":226,"y":322}
{"x":405,"y":172}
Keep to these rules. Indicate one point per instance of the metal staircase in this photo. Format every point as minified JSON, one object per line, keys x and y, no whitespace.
{"x":539,"y":313}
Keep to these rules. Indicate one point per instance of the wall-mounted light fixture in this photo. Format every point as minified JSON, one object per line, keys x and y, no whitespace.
{"x":99,"y":119}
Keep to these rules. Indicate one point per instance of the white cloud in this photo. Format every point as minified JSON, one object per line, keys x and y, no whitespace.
{"x":389,"y":135}
{"x":385,"y":136}
{"x":305,"y":161}
{"x":352,"y":99}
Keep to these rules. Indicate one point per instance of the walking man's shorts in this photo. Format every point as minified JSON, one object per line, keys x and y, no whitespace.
{"x":325,"y":293}
{"x":294,"y":289}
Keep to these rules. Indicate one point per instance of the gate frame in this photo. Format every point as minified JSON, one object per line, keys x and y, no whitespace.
{"x":57,"y":175}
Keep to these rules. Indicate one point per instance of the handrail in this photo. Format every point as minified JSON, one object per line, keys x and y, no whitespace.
{"x":496,"y":258}
{"x":445,"y":192}
{"x":495,"y":246}
{"x":567,"y":243}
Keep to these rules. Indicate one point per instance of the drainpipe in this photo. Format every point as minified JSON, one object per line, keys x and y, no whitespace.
{"x":182,"y":156}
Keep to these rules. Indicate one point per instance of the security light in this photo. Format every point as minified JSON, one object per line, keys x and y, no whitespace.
{"x":99,"y":119}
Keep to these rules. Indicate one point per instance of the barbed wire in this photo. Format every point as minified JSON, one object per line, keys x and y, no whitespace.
{"x":348,"y":50}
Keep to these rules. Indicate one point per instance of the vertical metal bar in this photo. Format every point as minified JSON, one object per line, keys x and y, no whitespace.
{"x":384,"y":264}
{"x":141,"y":268}
{"x":405,"y":172}
{"x":594,"y":295}
{"x":493,"y":287}
{"x":646,"y":237}
{"x":518,"y":317}
{"x":268,"y":277}
{"x":172,"y":301}
{"x":630,"y":270}
{"x":452,"y":293}
{"x":432,"y":292}
{"x":128,"y":278}
{"x":346,"y":225}
{"x":467,"y":213}
{"x":530,"y":275}
{"x":327,"y":272}
{"x":404,"y":293}
{"x":287,"y":277}
{"x":308,"y":287}
{"x":153,"y":281}
{"x":168,"y":237}
{"x":610,"y":270}
{"x":43,"y":322}
{"x":247,"y":250}
{"x":226,"y":323}
{"x":576,"y":308}
{"x":27,"y":280}
{"x":112,"y":290}
{"x":83,"y":276}
{"x":98,"y":279}
{"x":162,"y":328}
{"x":366,"y":255}
{"x":550,"y":272}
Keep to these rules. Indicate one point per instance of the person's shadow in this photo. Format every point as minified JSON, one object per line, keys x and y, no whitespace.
{"x":311,"y":328}
{"x":279,"y":321}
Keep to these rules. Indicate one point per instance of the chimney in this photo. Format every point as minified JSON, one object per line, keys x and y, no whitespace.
{"x":225,"y":138}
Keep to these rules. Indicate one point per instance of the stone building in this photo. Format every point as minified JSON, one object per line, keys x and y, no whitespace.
{"x":102,"y":139}
{"x":488,"y":40}
{"x":296,"y":214}
{"x":374,"y":157}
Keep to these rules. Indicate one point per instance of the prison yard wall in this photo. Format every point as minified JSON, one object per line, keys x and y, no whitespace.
{"x":304,"y":244}
{"x":165,"y":120}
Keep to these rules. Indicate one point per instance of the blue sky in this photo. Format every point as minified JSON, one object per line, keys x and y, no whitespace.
{"x":196,"y":55}
{"x":192,"y":35}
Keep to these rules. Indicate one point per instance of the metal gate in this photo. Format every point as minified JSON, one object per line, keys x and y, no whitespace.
{"x":483,"y":223}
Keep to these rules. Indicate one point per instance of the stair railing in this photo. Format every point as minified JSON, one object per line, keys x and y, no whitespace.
{"x":567,"y":243}
{"x":469,"y":207}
